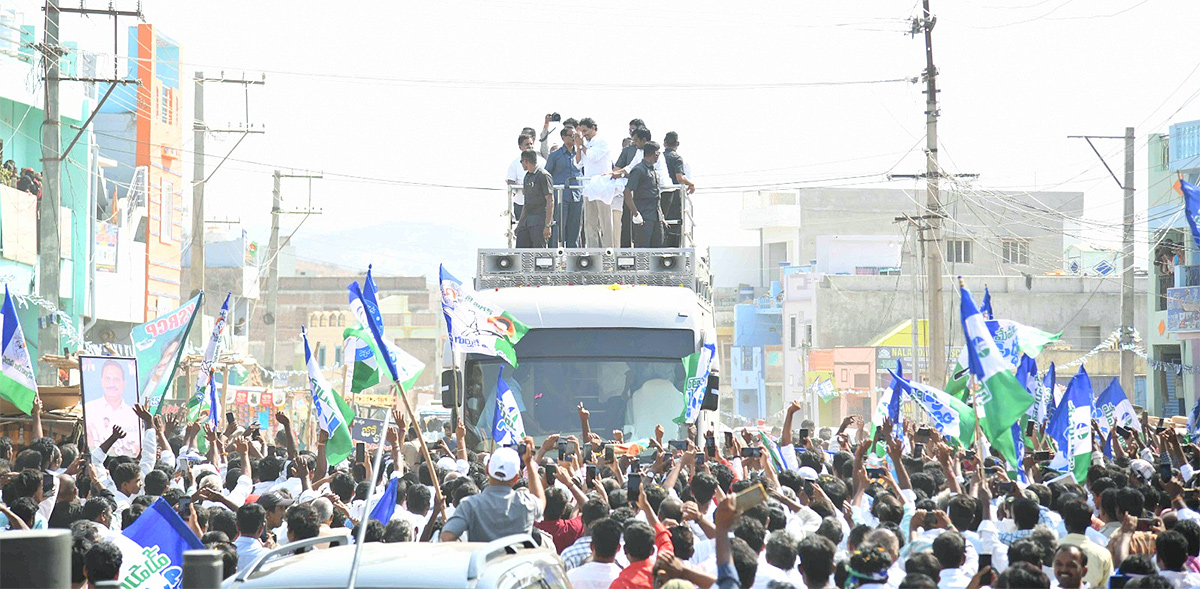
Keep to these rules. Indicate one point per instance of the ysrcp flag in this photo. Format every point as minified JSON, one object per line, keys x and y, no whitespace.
{"x":477,"y":326}
{"x":159,"y":343}
{"x":152,"y":548}
{"x":1191,"y":205}
{"x":364,"y":302}
{"x":698,"y":367}
{"x":1002,"y":400}
{"x":825,"y":390}
{"x":365,"y":369}
{"x":1113,"y":408}
{"x":950,"y":416}
{"x":1071,"y":428}
{"x":333,"y":415}
{"x":889,"y":402}
{"x":507,"y":427}
{"x":204,"y":381}
{"x":1013,"y":339}
{"x":18,"y":384}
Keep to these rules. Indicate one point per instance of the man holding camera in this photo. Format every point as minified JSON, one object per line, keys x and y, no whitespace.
{"x":500,"y":510}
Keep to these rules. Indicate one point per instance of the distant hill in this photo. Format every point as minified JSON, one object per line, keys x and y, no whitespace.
{"x":398,"y":248}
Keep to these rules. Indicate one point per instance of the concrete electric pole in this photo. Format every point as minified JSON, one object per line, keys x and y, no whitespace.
{"x":49,"y":254}
{"x":1127,"y":301}
{"x":271,"y":294}
{"x":200,"y":129}
{"x":935,"y":326}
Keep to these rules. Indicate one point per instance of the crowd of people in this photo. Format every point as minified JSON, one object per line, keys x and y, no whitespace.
{"x":632,"y":197}
{"x":779,"y":507}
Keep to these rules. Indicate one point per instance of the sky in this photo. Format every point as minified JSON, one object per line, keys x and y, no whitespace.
{"x":411,"y":110}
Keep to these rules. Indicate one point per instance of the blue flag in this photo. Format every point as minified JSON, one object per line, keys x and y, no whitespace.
{"x":1019,"y":446}
{"x":383,"y":510}
{"x":986,"y":308}
{"x":152,"y":548}
{"x":1194,"y":417}
{"x":1071,"y":427}
{"x":367,"y":298}
{"x":1191,"y":206}
{"x":893,"y":408}
{"x":507,"y":426}
{"x":1114,"y":409}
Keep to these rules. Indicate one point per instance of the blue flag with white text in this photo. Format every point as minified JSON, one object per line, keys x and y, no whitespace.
{"x":152,"y":548}
{"x":1191,"y":206}
{"x":1071,"y":427}
{"x":507,"y":428}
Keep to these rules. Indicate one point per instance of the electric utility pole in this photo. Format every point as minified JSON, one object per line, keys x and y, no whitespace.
{"x":199,"y":129}
{"x":49,"y":244}
{"x":1127,"y":356}
{"x":271,"y":296}
{"x":935,"y":326}
{"x":49,"y":254}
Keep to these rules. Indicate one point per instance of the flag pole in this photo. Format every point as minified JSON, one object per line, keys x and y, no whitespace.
{"x":412,"y":417}
{"x":360,"y":538}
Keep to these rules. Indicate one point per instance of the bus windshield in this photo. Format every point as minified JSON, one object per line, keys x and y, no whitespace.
{"x":628,"y":394}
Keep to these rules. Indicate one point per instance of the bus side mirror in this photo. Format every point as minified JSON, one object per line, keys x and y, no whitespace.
{"x":712,"y":393}
{"x":450,"y":387}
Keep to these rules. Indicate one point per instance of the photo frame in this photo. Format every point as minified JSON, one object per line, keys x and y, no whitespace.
{"x":109,"y":388}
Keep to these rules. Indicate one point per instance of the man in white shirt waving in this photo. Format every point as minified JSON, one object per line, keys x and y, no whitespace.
{"x":595,"y":158}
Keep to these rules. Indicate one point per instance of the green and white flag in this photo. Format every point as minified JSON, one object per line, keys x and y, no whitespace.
{"x":1002,"y":400}
{"x":1012,"y":339}
{"x":18,"y":383}
{"x":950,"y":417}
{"x":477,"y":326}
{"x":333,"y":415}
{"x":698,"y":367}
{"x":365,"y":369}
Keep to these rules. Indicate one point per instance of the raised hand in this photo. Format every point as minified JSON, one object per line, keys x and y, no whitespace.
{"x":142,"y":414}
{"x":117,"y":433}
{"x":283,"y":419}
{"x":37,"y":404}
{"x":583,"y":412}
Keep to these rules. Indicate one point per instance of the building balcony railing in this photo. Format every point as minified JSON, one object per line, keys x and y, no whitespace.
{"x":1187,"y":276}
{"x":1185,"y":146}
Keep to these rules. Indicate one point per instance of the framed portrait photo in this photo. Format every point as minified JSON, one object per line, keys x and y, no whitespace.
{"x":109,"y":386}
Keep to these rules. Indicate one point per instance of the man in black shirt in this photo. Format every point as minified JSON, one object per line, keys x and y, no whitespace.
{"x":672,"y":202}
{"x":642,"y":200}
{"x":625,"y":162}
{"x":537,"y":216}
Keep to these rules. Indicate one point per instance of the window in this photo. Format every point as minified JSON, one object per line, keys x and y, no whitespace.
{"x":792,"y":332}
{"x":323,"y":320}
{"x":862,"y":380}
{"x":808,"y":334}
{"x":1015,"y":251}
{"x":958,"y":251}
{"x":1089,"y":336}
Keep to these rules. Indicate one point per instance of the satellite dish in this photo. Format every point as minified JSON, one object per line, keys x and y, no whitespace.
{"x":269,"y":318}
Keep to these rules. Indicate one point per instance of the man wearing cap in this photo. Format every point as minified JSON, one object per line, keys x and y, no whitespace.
{"x":276,"y":503}
{"x":500,"y":510}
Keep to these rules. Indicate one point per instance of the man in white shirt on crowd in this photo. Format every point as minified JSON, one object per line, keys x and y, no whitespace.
{"x":595,"y":157}
{"x":602,"y":569}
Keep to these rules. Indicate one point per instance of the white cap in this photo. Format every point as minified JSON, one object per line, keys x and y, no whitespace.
{"x":1143,"y":468}
{"x":447,"y":463}
{"x":808,"y":472}
{"x":504,"y":464}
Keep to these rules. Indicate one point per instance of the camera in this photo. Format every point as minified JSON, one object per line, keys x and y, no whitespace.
{"x":555,"y":117}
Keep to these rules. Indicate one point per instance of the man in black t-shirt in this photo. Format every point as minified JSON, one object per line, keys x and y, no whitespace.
{"x":672,"y":202}
{"x":537,"y":216}
{"x":642,"y":200}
